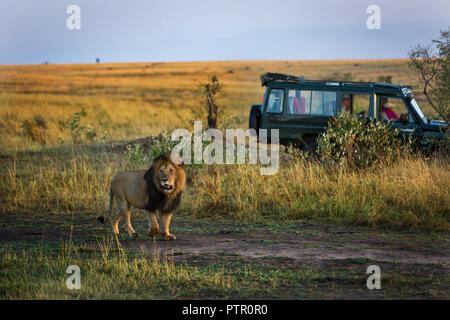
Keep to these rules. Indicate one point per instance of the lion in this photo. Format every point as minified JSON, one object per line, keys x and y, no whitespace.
{"x":156,"y":190}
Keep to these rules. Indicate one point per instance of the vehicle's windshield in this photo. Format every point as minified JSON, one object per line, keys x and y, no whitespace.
{"x":418,"y":110}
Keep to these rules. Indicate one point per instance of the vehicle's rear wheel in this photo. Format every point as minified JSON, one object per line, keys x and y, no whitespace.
{"x":253,"y":120}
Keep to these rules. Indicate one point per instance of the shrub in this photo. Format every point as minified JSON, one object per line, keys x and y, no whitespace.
{"x":384,"y":79}
{"x":135,"y":155}
{"x":90,"y":133}
{"x":161,"y":144}
{"x":359,"y":143}
{"x":142,"y":154}
{"x":35,"y":129}
{"x":337,"y":76}
{"x":441,"y":146}
{"x":79,"y":132}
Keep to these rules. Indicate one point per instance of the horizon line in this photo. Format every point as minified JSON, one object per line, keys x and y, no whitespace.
{"x":199,"y":61}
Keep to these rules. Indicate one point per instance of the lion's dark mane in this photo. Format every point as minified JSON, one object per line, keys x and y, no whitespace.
{"x":157,"y":200}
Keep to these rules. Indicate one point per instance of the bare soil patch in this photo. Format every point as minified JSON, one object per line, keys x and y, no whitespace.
{"x":325,"y":247}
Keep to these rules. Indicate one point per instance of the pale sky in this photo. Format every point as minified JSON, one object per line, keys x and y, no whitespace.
{"x":34,"y":31}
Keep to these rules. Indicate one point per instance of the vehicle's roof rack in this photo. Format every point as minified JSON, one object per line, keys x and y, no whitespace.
{"x":270,"y":77}
{"x":279,"y":77}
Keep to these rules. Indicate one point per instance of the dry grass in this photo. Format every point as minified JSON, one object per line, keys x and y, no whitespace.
{"x":412,"y":193}
{"x":130,"y":100}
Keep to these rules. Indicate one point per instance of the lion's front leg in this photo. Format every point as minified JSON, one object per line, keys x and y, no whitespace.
{"x":165,"y":220}
{"x":153,"y":226}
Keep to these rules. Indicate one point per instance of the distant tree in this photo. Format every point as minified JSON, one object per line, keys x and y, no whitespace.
{"x":209,"y":91}
{"x":432,"y":63}
{"x":97,"y":60}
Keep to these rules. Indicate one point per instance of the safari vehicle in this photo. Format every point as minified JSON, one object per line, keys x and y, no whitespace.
{"x":301,"y":108}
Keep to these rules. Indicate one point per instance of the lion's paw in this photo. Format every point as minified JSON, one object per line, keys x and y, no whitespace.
{"x":169,"y":237}
{"x":153,"y":232}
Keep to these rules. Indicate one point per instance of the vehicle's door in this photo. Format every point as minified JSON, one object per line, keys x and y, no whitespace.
{"x":273,"y":115}
{"x":308,"y":112}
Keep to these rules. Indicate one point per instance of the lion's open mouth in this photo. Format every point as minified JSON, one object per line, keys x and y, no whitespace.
{"x":167,"y":188}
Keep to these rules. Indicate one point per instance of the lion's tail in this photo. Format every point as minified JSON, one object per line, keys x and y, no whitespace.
{"x":111,"y":203}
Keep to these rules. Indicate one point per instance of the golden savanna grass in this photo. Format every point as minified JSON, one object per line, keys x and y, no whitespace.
{"x":410,"y":193}
{"x":130,"y":100}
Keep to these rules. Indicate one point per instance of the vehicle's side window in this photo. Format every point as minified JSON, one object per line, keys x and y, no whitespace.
{"x":361,"y":104}
{"x":323,"y":103}
{"x":307,"y":102}
{"x":275,"y":102}
{"x":299,"y":102}
{"x":307,"y":95}
{"x":356,"y":104}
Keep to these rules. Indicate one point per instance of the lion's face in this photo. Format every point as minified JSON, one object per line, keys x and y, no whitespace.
{"x":167,"y":176}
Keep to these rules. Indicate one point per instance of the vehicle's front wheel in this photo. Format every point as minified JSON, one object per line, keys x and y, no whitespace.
{"x":310,"y":147}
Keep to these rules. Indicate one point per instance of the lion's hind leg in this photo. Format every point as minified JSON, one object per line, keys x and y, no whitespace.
{"x":124,"y":211}
{"x":122,"y":208}
{"x":131,"y":231}
{"x":115,"y":224}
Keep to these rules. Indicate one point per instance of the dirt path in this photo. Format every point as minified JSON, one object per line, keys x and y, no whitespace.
{"x":297,"y":249}
{"x":205,"y":242}
{"x":296,"y":243}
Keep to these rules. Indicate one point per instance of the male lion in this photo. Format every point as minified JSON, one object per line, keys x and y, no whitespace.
{"x":158,"y":189}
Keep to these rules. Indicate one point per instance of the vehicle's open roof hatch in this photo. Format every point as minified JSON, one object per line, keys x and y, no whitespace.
{"x":270,"y":77}
{"x":280,"y":77}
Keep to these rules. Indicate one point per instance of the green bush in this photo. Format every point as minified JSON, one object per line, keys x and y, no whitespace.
{"x":79,"y":133}
{"x":136,"y":156}
{"x":359,"y":143}
{"x":140,"y":154}
{"x":161,"y":143}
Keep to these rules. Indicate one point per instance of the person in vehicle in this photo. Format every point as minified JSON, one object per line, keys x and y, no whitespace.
{"x":298,"y":104}
{"x":346,"y":104}
{"x":387,"y":112}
